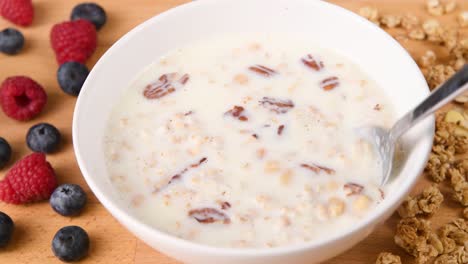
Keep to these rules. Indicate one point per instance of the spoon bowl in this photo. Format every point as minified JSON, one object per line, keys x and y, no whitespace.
{"x":384,"y":141}
{"x":379,"y":139}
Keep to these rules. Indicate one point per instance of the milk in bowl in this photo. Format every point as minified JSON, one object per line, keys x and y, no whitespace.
{"x":248,"y":141}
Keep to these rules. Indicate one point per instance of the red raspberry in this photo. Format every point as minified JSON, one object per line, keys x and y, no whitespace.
{"x":22,"y":98}
{"x":20,"y":12}
{"x":31,"y":179}
{"x":73,"y":41}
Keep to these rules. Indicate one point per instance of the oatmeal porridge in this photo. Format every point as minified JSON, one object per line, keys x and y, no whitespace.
{"x":248,"y":141}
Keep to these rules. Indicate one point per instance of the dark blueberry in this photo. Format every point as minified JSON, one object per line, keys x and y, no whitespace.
{"x":43,"y":137}
{"x":68,"y":199}
{"x":5,"y":153}
{"x":6,"y":229}
{"x":71,"y":243}
{"x":71,"y":76}
{"x":91,"y":12}
{"x":11,"y":41}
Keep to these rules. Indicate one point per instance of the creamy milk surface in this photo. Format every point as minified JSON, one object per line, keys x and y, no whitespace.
{"x":248,"y":141}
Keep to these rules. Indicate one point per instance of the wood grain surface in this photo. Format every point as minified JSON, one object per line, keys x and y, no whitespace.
{"x":36,"y":224}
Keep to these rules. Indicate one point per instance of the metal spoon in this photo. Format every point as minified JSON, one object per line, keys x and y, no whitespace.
{"x":384,"y":141}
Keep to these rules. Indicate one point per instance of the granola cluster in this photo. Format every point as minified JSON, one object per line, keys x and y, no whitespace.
{"x":438,"y":8}
{"x":456,"y":232}
{"x":459,"y":182}
{"x":454,"y":237}
{"x":437,"y":74}
{"x":457,"y":46}
{"x":391,"y":21}
{"x":388,"y":258}
{"x":410,"y":21}
{"x":450,"y":140}
{"x":370,"y":13}
{"x":458,"y":256}
{"x":460,"y":53}
{"x":428,"y":59}
{"x":462,"y":18}
{"x":416,"y":237}
{"x":426,"y":203}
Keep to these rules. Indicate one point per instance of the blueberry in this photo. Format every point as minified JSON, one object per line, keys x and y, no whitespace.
{"x":6,"y":229}
{"x":91,"y":12}
{"x":70,"y":243}
{"x":71,"y":76}
{"x":68,"y":199}
{"x":43,"y":137}
{"x":11,"y":41}
{"x":5,"y":152}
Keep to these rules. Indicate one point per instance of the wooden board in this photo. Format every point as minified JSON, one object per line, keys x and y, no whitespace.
{"x":111,"y":243}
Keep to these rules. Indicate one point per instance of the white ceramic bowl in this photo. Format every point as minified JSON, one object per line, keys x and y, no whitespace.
{"x":381,"y":57}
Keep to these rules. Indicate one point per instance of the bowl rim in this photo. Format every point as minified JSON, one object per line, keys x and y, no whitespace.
{"x":165,"y":238}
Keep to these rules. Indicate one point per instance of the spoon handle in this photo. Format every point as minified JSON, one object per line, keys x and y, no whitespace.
{"x":454,"y":86}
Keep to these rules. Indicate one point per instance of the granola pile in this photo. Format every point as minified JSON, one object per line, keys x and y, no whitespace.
{"x":432,"y":31}
{"x":448,"y":163}
{"x":448,"y":245}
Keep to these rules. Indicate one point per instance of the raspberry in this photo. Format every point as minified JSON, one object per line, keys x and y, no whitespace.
{"x":22,"y":98}
{"x":31,"y":179}
{"x":20,"y":12}
{"x":73,"y":41}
